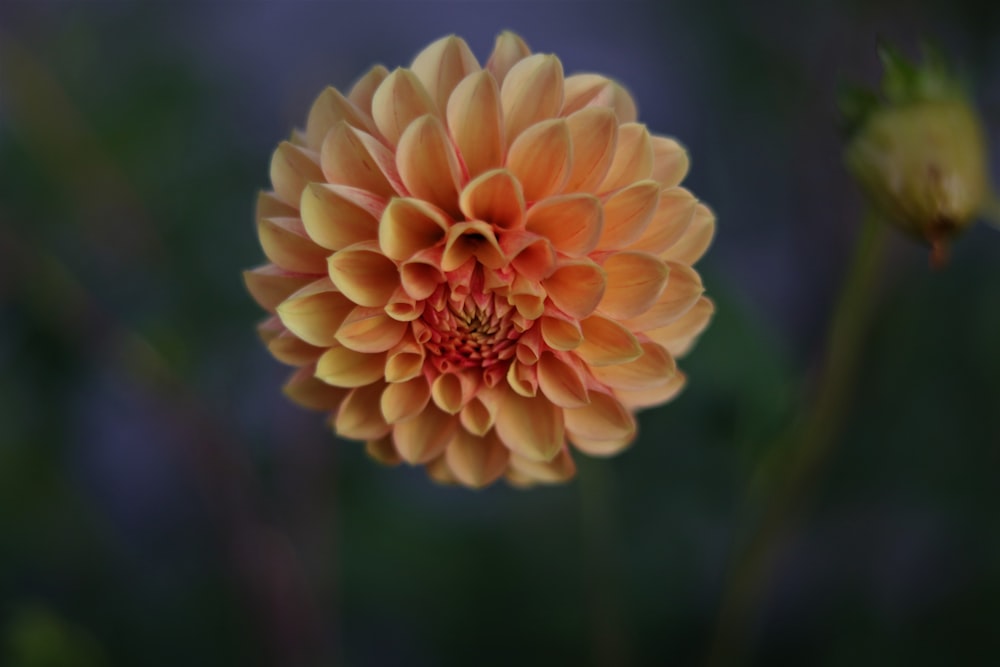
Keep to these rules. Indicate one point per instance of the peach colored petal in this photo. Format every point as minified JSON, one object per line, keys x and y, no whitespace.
{"x":330,"y":108}
{"x":627,"y":213}
{"x":359,"y":416}
{"x":540,"y":158}
{"x":670,"y":161}
{"x":495,"y":197}
{"x":679,"y":336}
{"x":683,"y":290}
{"x":559,"y":469}
{"x":424,"y":437}
{"x":573,"y":223}
{"x":398,"y":101}
{"x":528,"y":297}
{"x":476,"y":123}
{"x":405,"y":361}
{"x":530,"y":427}
{"x":602,"y":448}
{"x":561,"y":382}
{"x":477,"y":416}
{"x":594,"y":90}
{"x":403,"y":307}
{"x":292,"y":167}
{"x":593,"y":134}
{"x":672,"y":217}
{"x":286,"y":243}
{"x":531,"y":92}
{"x":604,"y":419}
{"x":315,"y":312}
{"x":576,"y":287}
{"x":370,"y":330}
{"x":635,"y":280}
{"x":653,"y":368}
{"x":523,"y":378}
{"x":451,"y":391}
{"x":352,"y":157}
{"x":409,"y":226}
{"x":476,"y":461}
{"x":364,"y":274}
{"x":383,"y":451}
{"x":404,"y":400}
{"x":307,"y":391}
{"x":508,"y":50}
{"x":633,"y":160}
{"x":560,"y":332}
{"x":343,"y":367}
{"x":606,"y":342}
{"x":442,"y":65}
{"x":531,"y":256}
{"x":696,"y":239}
{"x":471,"y":239}
{"x":439,"y":471}
{"x":270,"y":206}
{"x":364,"y":88}
{"x":428,"y":165}
{"x":657,"y":395}
{"x":336,"y":216}
{"x":289,"y":349}
{"x":422,"y":274}
{"x":269,"y":285}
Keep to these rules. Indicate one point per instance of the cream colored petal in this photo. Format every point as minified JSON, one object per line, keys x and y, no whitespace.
{"x":405,"y":361}
{"x":286,"y":243}
{"x":540,"y":158}
{"x":633,"y":160}
{"x":573,"y":223}
{"x":593,"y":134}
{"x":627,"y":214}
{"x":303,"y":388}
{"x":270,"y":206}
{"x":403,"y":307}
{"x":269,"y":285}
{"x":476,"y":461}
{"x":442,"y":65}
{"x":343,"y":367}
{"x":559,"y":469}
{"x":329,"y":109}
{"x":561,"y":332}
{"x":364,"y":89}
{"x":370,"y":330}
{"x":452,"y":391}
{"x":422,"y":274}
{"x":683,"y":290}
{"x":672,"y":217}
{"x":315,"y":312}
{"x":531,"y":256}
{"x":364,"y":275}
{"x":576,"y":287}
{"x":531,"y":92}
{"x":530,"y":427}
{"x":653,"y":368}
{"x":679,"y":336}
{"x":523,"y":379}
{"x":670,"y":161}
{"x":606,"y":342}
{"x":409,"y":226}
{"x":471,"y":239}
{"x":604,"y":419}
{"x":292,"y":167}
{"x":508,"y":50}
{"x":644,"y":398}
{"x":635,"y":280}
{"x":404,"y":400}
{"x":495,"y":197}
{"x":428,"y":165}
{"x":398,"y":101}
{"x":289,"y":349}
{"x":352,"y":157}
{"x":360,"y":416}
{"x":594,"y":90}
{"x":696,"y":239}
{"x":561,"y":382}
{"x":476,"y":123}
{"x":424,"y":437}
{"x":336,"y":216}
{"x":383,"y":451}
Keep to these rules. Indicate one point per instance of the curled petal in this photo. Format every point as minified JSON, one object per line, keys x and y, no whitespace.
{"x":364,"y":88}
{"x":635,"y":281}
{"x":329,"y":109}
{"x":696,"y":239}
{"x":528,"y":297}
{"x":428,"y":165}
{"x":471,"y":239}
{"x":593,"y":134}
{"x":601,"y":427}
{"x":530,"y":427}
{"x":541,"y":157}
{"x":442,"y":65}
{"x":576,"y":287}
{"x":404,"y":400}
{"x":422,"y":274}
{"x":682,"y":291}
{"x":383,"y":451}
{"x":678,"y":336}
{"x":403,"y":307}
{"x":673,"y":215}
{"x":531,"y":256}
{"x":352,"y":157}
{"x":670,"y":161}
{"x":495,"y":197}
{"x":590,"y":90}
{"x":478,"y":415}
{"x":476,"y":461}
{"x":398,"y":101}
{"x":286,"y":243}
{"x":657,"y":395}
{"x":633,"y":159}
{"x":606,"y":342}
{"x":653,"y":368}
{"x":424,"y":437}
{"x":573,"y":223}
{"x":359,"y":416}
{"x":627,"y":213}
{"x":452,"y":391}
{"x":370,"y":330}
{"x":559,"y":469}
{"x":336,"y":216}
{"x":561,"y":382}
{"x":269,"y":285}
{"x":315,"y":312}
{"x":509,"y":50}
{"x":531,"y":92}
{"x":292,"y":168}
{"x":303,"y":388}
{"x":405,"y":361}
{"x":561,"y":332}
{"x":343,"y":367}
{"x":476,"y":123}
{"x":522,"y":378}
{"x":364,"y":275}
{"x":409,"y":226}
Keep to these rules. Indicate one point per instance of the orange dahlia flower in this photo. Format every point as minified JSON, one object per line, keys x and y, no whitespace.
{"x":473,"y":267}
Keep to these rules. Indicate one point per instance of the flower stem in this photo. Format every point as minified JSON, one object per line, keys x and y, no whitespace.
{"x":794,"y":462}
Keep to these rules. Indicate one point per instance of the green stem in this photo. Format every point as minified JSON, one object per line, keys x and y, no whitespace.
{"x":795,"y":461}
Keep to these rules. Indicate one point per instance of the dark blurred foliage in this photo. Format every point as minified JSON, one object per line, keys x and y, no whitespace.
{"x":161,"y":503}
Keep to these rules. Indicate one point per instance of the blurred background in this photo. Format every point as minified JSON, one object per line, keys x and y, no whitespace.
{"x":161,"y":502}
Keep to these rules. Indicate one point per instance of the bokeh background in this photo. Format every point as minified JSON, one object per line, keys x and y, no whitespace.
{"x":161,"y":503}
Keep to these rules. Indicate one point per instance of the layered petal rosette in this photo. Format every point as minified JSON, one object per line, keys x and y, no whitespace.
{"x":475,"y":268}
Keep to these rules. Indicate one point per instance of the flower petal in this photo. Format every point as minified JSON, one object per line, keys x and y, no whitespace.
{"x":530,"y":427}
{"x":508,"y":50}
{"x":315,"y":312}
{"x":422,"y":274}
{"x":476,"y":461}
{"x":359,"y":416}
{"x":573,"y":223}
{"x":679,"y":336}
{"x":657,"y":395}
{"x":336,"y":216}
{"x":343,"y":367}
{"x":442,"y":65}
{"x":364,"y":275}
{"x":633,"y":160}
{"x":540,"y":158}
{"x":370,"y":330}
{"x":364,"y":88}
{"x":405,"y":361}
{"x":352,"y":157}
{"x":670,"y":161}
{"x":696,"y":239}
{"x":603,"y":420}
{"x":560,"y":332}
{"x":479,"y":413}
{"x":330,"y":108}
{"x":682,"y":291}
{"x":383,"y":451}
{"x":593,"y":134}
{"x":471,"y":239}
{"x":635,"y":281}
{"x":409,"y":226}
{"x":653,"y":368}
{"x":424,"y":437}
{"x":494,"y":197}
{"x":606,"y":342}
{"x":559,"y":469}
{"x":428,"y":165}
{"x":523,"y":378}
{"x":627,"y":213}
{"x":476,"y":123}
{"x":404,"y":400}
{"x":398,"y":101}
{"x":286,"y":243}
{"x":531,"y":92}
{"x":303,"y":388}
{"x":451,"y":391}
{"x":561,"y":382}
{"x":289,"y":349}
{"x":672,"y":217}
{"x":292,"y":167}
{"x":269,"y":285}
{"x":589,"y":90}
{"x":528,"y":297}
{"x":576,"y":287}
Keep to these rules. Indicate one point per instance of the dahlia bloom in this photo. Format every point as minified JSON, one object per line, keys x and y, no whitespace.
{"x":472,"y":267}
